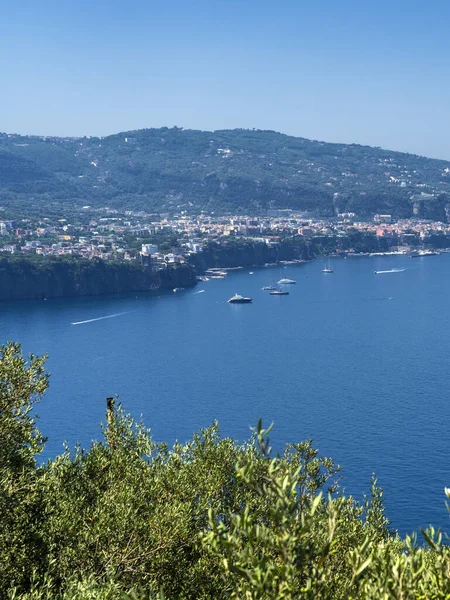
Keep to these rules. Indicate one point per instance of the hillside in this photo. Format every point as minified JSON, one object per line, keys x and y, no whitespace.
{"x":231,"y":170}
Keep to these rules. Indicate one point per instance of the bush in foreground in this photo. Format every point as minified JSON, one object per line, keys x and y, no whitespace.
{"x":207,"y":519}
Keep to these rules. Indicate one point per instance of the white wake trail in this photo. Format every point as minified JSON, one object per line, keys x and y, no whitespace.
{"x":99,"y":318}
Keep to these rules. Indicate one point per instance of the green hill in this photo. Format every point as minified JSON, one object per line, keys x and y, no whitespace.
{"x":231,"y":170}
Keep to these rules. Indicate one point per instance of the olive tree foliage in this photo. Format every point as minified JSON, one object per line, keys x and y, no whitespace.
{"x":327,"y":547}
{"x":300,"y":544}
{"x":22,"y":384}
{"x":210,"y":518}
{"x":141,"y":508}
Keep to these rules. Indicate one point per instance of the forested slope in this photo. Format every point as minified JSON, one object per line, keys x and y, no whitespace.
{"x":231,"y":170}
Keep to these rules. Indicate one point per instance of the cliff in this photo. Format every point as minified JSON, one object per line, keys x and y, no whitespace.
{"x":247,"y":253}
{"x":34,"y":278}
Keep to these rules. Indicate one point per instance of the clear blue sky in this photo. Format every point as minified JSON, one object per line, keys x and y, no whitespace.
{"x":370,"y":72}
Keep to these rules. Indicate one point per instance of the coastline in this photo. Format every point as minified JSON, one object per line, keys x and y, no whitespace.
{"x":25,"y":279}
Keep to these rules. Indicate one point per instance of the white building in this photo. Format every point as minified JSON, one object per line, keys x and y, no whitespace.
{"x":149,"y":249}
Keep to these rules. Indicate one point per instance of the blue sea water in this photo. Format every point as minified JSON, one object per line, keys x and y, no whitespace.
{"x":356,"y":361}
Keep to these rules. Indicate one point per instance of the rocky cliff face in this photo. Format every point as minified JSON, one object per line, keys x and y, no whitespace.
{"x":249,"y":254}
{"x":28,"y":279}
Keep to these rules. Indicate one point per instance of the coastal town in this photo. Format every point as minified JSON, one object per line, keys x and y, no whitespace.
{"x":109,"y":234}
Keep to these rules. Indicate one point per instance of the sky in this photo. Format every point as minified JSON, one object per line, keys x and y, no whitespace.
{"x":360,"y":71}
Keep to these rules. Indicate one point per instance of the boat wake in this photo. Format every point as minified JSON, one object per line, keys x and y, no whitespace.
{"x":99,"y":318}
{"x":355,"y":300}
{"x":389,"y":271}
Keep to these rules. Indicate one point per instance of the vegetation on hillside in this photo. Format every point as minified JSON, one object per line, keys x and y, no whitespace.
{"x":231,"y":170}
{"x":210,"y":518}
{"x":35,"y":277}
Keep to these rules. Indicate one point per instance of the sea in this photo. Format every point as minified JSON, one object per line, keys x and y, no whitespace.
{"x":356,"y":361}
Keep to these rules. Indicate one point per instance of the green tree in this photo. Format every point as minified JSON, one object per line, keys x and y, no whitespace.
{"x":22,"y":384}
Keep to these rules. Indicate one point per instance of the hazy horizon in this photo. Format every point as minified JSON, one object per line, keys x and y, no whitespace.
{"x":373,"y":74}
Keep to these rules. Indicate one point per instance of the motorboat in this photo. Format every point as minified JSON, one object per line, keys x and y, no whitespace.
{"x":238,"y":299}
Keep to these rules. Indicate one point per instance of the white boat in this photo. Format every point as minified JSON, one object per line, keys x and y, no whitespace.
{"x":179,"y":289}
{"x":421,"y":253}
{"x":238,"y":299}
{"x":328,"y":268}
{"x":286,"y":281}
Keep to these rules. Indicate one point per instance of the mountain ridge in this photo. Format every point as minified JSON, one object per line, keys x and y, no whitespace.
{"x":237,"y":170}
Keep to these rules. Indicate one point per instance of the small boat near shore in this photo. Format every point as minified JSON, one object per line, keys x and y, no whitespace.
{"x":421,"y":253}
{"x":238,"y":299}
{"x":178,"y":289}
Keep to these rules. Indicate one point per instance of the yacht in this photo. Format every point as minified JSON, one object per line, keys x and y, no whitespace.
{"x":420,"y":253}
{"x":279,"y":293}
{"x":269,"y":288}
{"x":237,"y":299}
{"x":286,"y":281}
{"x":327,"y":268}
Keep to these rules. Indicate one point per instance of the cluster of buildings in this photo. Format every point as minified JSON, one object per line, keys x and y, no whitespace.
{"x":112,"y":235}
